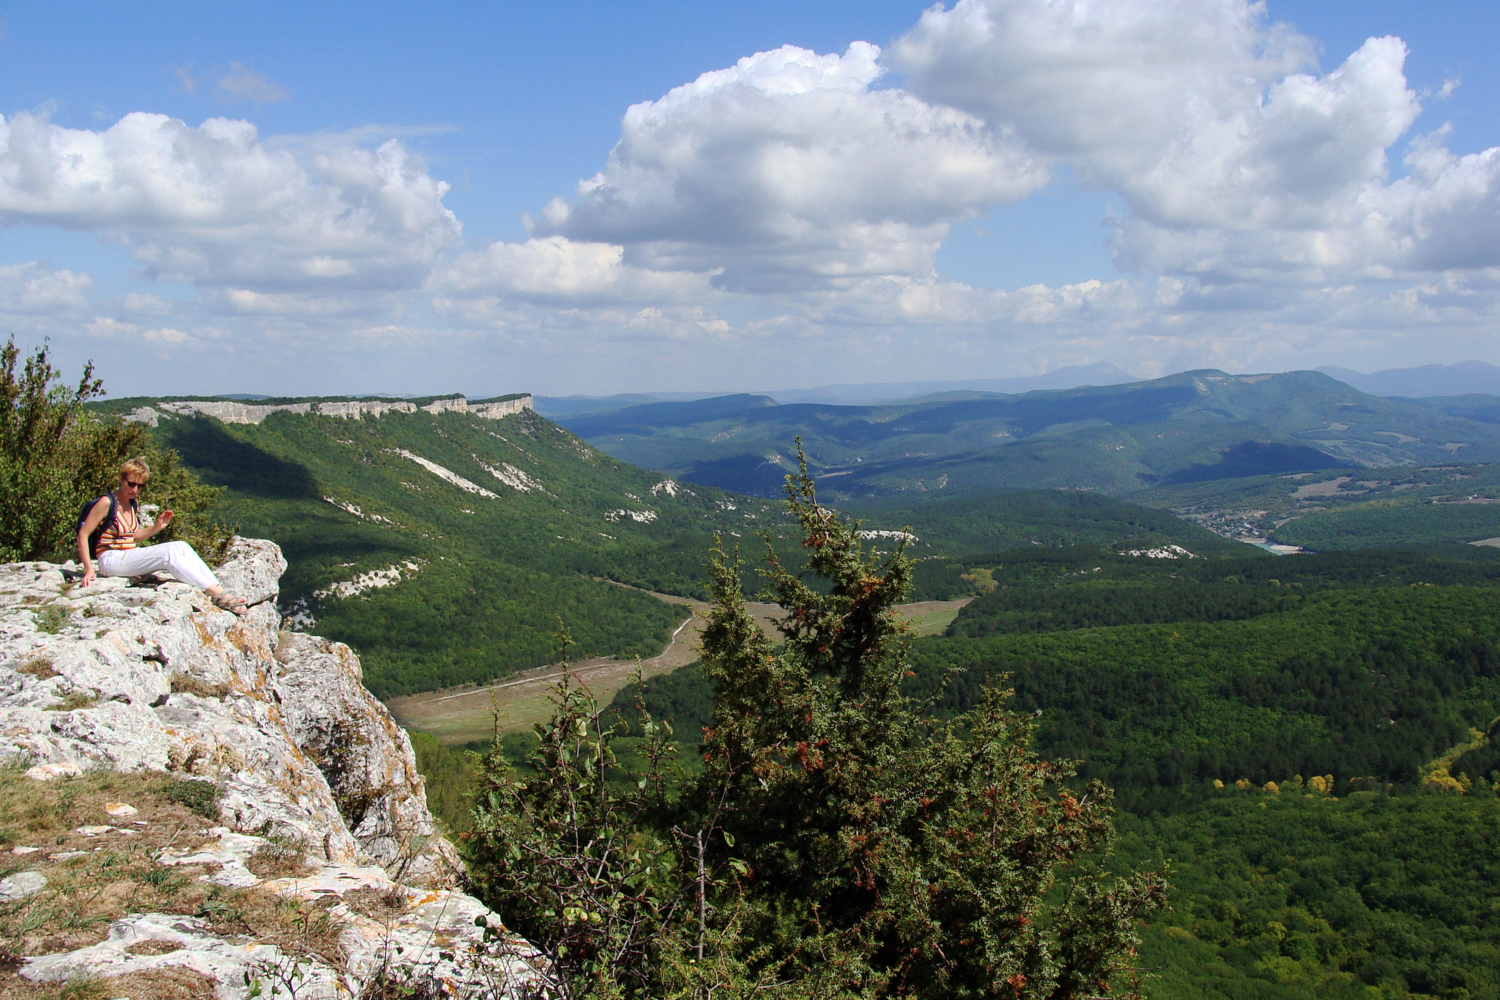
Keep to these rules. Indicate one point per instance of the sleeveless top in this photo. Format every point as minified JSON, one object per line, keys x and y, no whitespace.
{"x":116,"y":536}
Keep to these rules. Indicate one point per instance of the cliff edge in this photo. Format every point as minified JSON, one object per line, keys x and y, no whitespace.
{"x":309,"y":807}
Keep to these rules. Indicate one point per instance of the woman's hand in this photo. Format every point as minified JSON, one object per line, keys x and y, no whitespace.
{"x":162,"y":520}
{"x":88,"y":576}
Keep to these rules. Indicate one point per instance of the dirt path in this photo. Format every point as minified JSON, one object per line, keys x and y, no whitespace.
{"x":463,"y":715}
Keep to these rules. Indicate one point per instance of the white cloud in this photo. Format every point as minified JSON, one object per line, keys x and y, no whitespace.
{"x":32,"y":289}
{"x":142,"y":304}
{"x":108,"y":326}
{"x":558,"y":271}
{"x":1117,"y":89}
{"x":215,"y":206}
{"x":1233,"y":164}
{"x":165,"y":335}
{"x":244,"y":82}
{"x":792,"y":168}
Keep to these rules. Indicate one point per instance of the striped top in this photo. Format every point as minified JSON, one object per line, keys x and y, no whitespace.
{"x":117,"y":537}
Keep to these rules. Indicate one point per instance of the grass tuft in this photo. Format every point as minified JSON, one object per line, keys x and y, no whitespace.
{"x":188,"y":684}
{"x":39,"y":667}
{"x":74,"y":700}
{"x":51,"y":619}
{"x":202,"y":797}
{"x":280,"y":857}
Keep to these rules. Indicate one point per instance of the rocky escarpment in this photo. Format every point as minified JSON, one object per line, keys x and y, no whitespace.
{"x":299,"y":757}
{"x":234,"y":412}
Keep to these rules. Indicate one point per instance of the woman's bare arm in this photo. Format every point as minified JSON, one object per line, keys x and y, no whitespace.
{"x":97,"y":514}
{"x":141,"y":533}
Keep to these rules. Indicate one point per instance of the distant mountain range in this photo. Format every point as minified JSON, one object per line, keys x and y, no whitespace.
{"x":895,"y":392}
{"x":1190,"y":427}
{"x":555,"y":407}
{"x":1465,"y":378}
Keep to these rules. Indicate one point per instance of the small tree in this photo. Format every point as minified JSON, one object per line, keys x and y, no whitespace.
{"x":840,"y":843}
{"x":919,"y":858}
{"x":54,"y":456}
{"x":575,"y":855}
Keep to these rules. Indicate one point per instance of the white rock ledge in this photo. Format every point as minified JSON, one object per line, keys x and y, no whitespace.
{"x":281,"y":723}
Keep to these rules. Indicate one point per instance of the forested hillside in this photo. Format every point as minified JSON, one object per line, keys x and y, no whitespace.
{"x":1305,"y":740}
{"x":444,"y":547}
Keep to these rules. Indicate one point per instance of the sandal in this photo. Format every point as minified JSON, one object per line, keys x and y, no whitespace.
{"x":232,"y":603}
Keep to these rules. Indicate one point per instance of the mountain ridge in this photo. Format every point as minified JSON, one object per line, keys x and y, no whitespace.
{"x":849,"y":393}
{"x":1116,"y":438}
{"x":1461,"y":379}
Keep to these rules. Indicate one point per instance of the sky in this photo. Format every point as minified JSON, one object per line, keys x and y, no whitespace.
{"x":597,"y":197}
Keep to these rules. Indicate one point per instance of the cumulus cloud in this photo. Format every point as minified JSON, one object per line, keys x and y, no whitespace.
{"x":215,"y":206}
{"x":792,"y":168}
{"x":1238,"y":163}
{"x":33,"y":289}
{"x":1123,"y":90}
{"x":1235,"y":161}
{"x":558,"y":271}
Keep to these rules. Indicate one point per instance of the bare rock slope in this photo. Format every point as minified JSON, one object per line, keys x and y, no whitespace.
{"x":155,"y":679}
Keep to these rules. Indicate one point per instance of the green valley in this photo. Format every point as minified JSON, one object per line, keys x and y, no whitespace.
{"x":444,"y":545}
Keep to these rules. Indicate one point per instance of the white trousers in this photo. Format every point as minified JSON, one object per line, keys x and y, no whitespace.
{"x":176,"y":559}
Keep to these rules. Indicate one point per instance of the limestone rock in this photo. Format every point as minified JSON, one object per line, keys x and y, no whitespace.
{"x":21,"y":884}
{"x":365,"y":757}
{"x":156,"y":678}
{"x":253,"y":569}
{"x":234,"y":412}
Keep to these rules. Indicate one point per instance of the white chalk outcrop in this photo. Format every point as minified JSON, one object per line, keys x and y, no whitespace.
{"x":137,"y":678}
{"x":234,"y":412}
{"x":447,"y":475}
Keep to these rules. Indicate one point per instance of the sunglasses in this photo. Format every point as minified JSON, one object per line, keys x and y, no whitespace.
{"x":132,"y":482}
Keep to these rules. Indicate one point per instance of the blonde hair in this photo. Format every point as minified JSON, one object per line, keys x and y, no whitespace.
{"x":136,"y":465}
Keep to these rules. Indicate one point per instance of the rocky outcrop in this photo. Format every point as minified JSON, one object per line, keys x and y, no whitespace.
{"x":234,"y":412}
{"x":154,"y":678}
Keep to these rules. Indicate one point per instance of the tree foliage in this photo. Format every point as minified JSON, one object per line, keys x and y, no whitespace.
{"x":1297,"y":894}
{"x":839,"y":841}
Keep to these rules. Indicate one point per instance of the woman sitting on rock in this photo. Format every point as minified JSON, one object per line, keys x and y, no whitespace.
{"x":115,"y":548}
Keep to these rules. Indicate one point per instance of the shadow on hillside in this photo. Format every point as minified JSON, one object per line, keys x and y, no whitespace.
{"x":1256,"y":458}
{"x":224,"y":460}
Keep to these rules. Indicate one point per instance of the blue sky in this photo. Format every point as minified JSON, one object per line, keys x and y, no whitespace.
{"x":978,"y":192}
